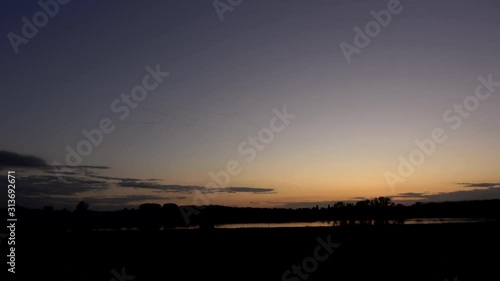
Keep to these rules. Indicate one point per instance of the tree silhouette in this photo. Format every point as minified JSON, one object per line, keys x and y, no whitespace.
{"x":81,"y":220}
{"x":82,"y":207}
{"x":150,"y":216}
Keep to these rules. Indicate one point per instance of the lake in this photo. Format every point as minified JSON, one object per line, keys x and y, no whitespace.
{"x":333,"y":224}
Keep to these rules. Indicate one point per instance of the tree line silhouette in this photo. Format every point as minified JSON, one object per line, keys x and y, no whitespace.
{"x":150,"y":217}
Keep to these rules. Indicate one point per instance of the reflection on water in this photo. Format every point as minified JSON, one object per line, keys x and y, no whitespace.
{"x":447,"y":220}
{"x":335,"y":223}
{"x":339,"y":223}
{"x":285,"y":224}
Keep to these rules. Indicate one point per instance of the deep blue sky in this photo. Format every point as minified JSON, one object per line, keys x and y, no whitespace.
{"x":353,"y":119}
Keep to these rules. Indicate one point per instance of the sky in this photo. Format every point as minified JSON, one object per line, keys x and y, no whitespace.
{"x":334,"y":110}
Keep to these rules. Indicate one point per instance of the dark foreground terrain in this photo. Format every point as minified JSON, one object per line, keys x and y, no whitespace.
{"x":391,"y":252}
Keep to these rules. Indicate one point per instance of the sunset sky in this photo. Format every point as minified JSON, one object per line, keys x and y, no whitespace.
{"x":226,"y":81}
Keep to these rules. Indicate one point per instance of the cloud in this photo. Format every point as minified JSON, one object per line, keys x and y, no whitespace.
{"x":93,"y":174}
{"x":409,"y":198}
{"x":359,"y":198}
{"x":62,"y":173}
{"x":410,"y":195}
{"x":15,"y":160}
{"x":41,"y":185}
{"x":190,"y":188}
{"x":484,"y":193}
{"x":64,"y":186}
{"x":462,"y":195}
{"x":163,"y":187}
{"x":479,"y":185}
{"x":247,"y":190}
{"x":82,"y":167}
{"x":47,"y":185}
{"x":11,"y":159}
{"x":90,"y":167}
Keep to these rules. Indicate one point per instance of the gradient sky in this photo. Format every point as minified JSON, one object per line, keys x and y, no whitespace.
{"x":353,"y":120}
